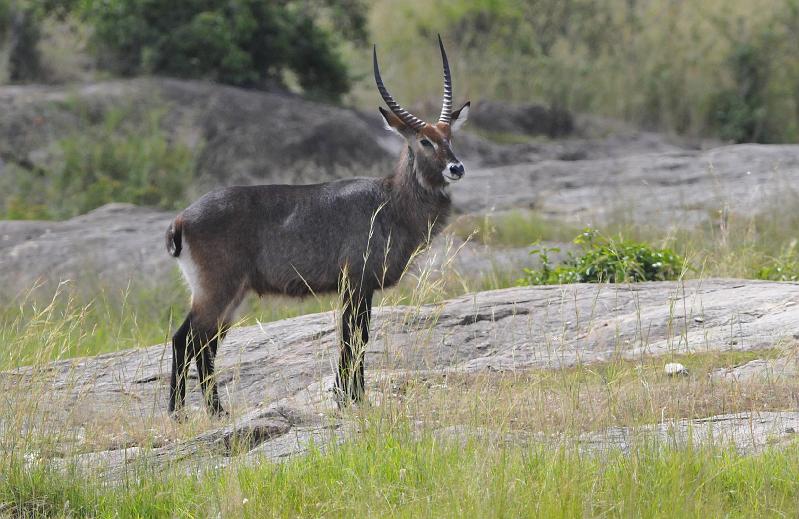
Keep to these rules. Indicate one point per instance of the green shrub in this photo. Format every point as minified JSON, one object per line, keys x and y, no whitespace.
{"x":248,"y":43}
{"x":20,"y":31}
{"x":114,"y":163}
{"x":739,"y":113}
{"x":125,"y":158}
{"x":784,"y":267}
{"x":603,"y":259}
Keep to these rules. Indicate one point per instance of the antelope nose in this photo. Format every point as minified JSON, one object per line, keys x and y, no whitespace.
{"x":456,"y":170}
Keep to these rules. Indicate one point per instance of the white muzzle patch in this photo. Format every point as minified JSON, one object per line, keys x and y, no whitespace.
{"x":453,"y":172}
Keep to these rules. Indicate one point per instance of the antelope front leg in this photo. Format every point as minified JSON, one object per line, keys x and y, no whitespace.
{"x":346,"y":366}
{"x":350,"y":386}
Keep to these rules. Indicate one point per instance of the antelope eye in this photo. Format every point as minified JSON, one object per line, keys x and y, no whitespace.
{"x":426,"y":143}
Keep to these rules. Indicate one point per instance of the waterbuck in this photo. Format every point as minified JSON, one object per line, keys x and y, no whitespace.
{"x":354,"y":236}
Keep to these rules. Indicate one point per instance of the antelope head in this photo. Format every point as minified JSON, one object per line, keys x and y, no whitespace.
{"x":429,"y":144}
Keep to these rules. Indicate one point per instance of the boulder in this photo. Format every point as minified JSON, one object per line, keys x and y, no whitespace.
{"x":107,"y":247}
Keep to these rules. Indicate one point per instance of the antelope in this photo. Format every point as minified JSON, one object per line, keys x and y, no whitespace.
{"x":352,"y":236}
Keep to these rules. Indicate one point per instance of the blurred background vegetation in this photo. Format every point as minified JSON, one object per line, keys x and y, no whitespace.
{"x":716,"y":68}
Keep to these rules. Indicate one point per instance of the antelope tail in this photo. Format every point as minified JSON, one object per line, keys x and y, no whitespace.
{"x":174,"y":237}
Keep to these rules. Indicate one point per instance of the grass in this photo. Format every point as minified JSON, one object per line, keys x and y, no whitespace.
{"x":722,"y":68}
{"x":511,"y":229}
{"x":593,"y":397}
{"x":390,"y":471}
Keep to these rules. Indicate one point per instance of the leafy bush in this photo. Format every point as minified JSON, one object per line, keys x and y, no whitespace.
{"x":784,"y":267}
{"x":739,"y":113}
{"x":248,"y":43}
{"x":19,"y":30}
{"x":603,"y":259}
{"x":120,"y":160}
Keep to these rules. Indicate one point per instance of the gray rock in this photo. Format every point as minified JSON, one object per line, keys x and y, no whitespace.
{"x":760,"y":370}
{"x":245,"y":136}
{"x":675,"y":188}
{"x":107,"y":247}
{"x":525,"y":119}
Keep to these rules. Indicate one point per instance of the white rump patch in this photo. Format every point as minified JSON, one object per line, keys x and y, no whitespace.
{"x":189,"y":269}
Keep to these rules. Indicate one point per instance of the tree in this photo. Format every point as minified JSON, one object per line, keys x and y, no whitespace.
{"x":248,"y":43}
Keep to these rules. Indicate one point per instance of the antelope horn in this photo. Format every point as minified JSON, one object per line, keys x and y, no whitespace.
{"x":405,"y":116}
{"x":446,"y":106}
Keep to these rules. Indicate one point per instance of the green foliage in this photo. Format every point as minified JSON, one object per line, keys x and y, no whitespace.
{"x":603,"y":259}
{"x":20,"y":30}
{"x":394,"y":473}
{"x":125,"y":158}
{"x":113,"y":163}
{"x":512,"y":228}
{"x":784,"y":267}
{"x":248,"y":43}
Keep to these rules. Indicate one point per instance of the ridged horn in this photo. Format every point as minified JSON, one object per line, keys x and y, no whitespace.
{"x":446,"y":105}
{"x":405,"y":116}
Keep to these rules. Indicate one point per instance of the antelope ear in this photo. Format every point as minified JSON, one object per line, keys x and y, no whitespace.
{"x":460,"y":116}
{"x":393,"y":123}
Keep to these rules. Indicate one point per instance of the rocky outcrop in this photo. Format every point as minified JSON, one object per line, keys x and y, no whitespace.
{"x":241,"y":136}
{"x":246,"y":136}
{"x":674,"y":188}
{"x":276,"y":377}
{"x":107,"y":247}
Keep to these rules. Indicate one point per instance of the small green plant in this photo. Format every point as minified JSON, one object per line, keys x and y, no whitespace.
{"x":784,"y":267}
{"x":604,"y":259}
{"x":125,"y":158}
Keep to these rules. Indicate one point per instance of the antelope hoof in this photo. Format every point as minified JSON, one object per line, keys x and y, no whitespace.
{"x":179,"y":416}
{"x":219,"y":412}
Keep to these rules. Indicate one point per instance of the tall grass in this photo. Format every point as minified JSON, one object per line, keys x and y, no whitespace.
{"x":395,"y":473}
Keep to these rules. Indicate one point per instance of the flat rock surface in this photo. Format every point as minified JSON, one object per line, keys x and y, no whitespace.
{"x":276,"y":377}
{"x":761,"y":370}
{"x":749,"y":432}
{"x":673,"y":188}
{"x":107,"y":247}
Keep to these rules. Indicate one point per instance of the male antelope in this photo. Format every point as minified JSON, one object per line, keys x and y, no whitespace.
{"x":354,"y":235}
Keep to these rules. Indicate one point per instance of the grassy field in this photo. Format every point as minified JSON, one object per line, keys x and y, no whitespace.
{"x":393,"y":473}
{"x":489,"y":444}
